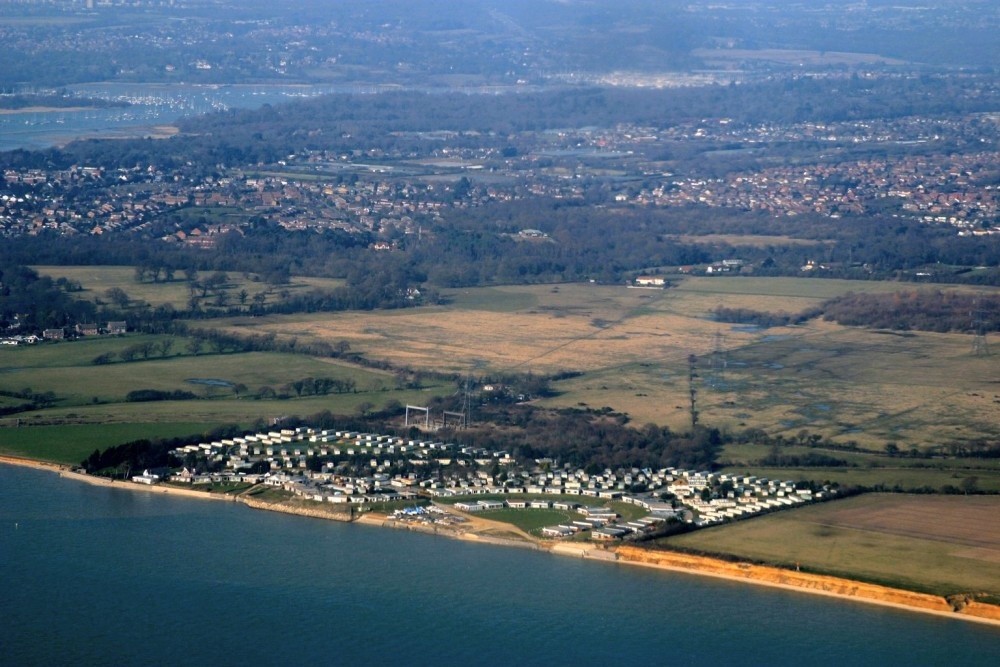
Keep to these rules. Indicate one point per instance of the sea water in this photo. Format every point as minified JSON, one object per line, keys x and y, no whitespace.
{"x":163,"y":104}
{"x":148,"y":105}
{"x":101,"y":576}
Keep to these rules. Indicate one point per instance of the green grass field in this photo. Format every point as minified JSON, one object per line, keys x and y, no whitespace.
{"x":217,"y":411}
{"x":72,"y":443}
{"x":90,"y":410}
{"x":66,"y":368}
{"x":96,"y":280}
{"x":937,"y":544}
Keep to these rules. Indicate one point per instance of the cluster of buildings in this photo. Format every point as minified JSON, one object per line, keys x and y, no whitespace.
{"x":398,"y":192}
{"x":351,"y":468}
{"x":720,"y":497}
{"x":83,"y":200}
{"x":19,"y":339}
{"x":112,"y":328}
{"x":131,"y":199}
{"x":947,"y":189}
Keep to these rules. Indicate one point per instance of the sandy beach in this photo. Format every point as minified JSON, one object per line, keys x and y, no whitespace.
{"x":67,"y":472}
{"x":145,"y":488}
{"x":478,"y":529}
{"x":29,"y":463}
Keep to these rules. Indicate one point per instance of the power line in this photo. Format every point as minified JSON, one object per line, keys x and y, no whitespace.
{"x":980,"y":348}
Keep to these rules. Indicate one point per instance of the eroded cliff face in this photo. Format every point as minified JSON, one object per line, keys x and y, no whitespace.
{"x":980,"y":610}
{"x":815,"y":583}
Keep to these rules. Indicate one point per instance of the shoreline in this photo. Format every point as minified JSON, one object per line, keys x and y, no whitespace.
{"x":735,"y":571}
{"x":37,"y":109}
{"x":66,"y":472}
{"x":804,"y":582}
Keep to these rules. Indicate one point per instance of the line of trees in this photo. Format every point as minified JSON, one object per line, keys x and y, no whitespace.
{"x":941,"y":311}
{"x":146,"y":395}
{"x":762,"y":319}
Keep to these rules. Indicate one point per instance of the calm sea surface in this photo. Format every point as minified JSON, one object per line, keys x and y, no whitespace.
{"x":97,"y":576}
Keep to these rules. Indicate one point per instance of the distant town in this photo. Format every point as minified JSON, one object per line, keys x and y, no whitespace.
{"x":369,"y":190}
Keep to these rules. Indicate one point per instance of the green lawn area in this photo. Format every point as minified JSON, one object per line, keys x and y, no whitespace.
{"x":270,"y":494}
{"x":219,"y":488}
{"x":73,"y":353}
{"x":11,"y":401}
{"x":220,"y":410}
{"x":67,"y":370}
{"x":628,"y":511}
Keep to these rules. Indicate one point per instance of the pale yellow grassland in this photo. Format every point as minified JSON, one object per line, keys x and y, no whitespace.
{"x":632,"y":346}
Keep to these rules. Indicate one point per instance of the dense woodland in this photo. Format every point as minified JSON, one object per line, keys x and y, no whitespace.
{"x":592,"y":439}
{"x":33,"y":303}
{"x":941,"y":311}
{"x":923,"y":310}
